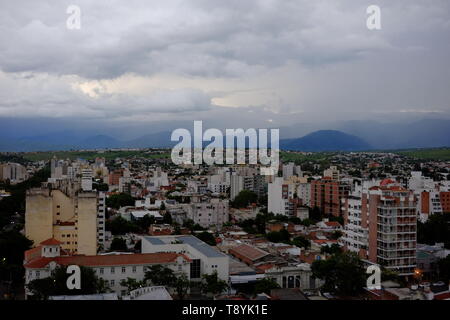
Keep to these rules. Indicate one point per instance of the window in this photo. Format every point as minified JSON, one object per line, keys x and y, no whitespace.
{"x":112,"y":282}
{"x":124,"y":269}
{"x":38,"y":274}
{"x":195,"y":269}
{"x":134,"y":269}
{"x":102,"y":270}
{"x":113,"y":270}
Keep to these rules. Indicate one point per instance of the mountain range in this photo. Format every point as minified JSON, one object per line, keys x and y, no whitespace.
{"x":343,"y":135}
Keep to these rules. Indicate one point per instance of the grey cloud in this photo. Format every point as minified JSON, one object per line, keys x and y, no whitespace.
{"x":203,"y":38}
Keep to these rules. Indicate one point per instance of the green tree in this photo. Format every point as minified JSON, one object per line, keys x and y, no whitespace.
{"x":333,"y":249}
{"x":132,"y":284}
{"x":343,"y":274}
{"x":100,"y":186}
{"x":435,"y":229}
{"x":119,"y":200}
{"x":181,"y":286}
{"x":265,"y":285}
{"x":120,"y":226}
{"x":444,"y":269}
{"x":301,"y":242}
{"x":279,"y":236}
{"x":12,"y":247}
{"x":160,"y":276}
{"x":167,"y":218}
{"x":207,"y":237}
{"x":307,"y":222}
{"x":244,"y":198}
{"x":56,"y":284}
{"x":118,"y":244}
{"x":336,"y":235}
{"x":145,"y":222}
{"x":315,"y":214}
{"x":212,"y":284}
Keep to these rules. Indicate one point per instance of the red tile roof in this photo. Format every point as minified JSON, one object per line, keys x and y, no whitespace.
{"x":333,"y":224}
{"x":321,"y":241}
{"x":51,"y":242}
{"x":442,"y":296}
{"x":108,"y":260}
{"x":249,"y":252}
{"x":387,"y":181}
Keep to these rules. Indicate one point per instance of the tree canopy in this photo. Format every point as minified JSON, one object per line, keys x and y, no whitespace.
{"x":265,"y":285}
{"x":343,"y":274}
{"x":211,"y":283}
{"x":119,"y":200}
{"x":435,"y":229}
{"x":118,"y":244}
{"x":56,"y":284}
{"x":207,"y":237}
{"x":244,"y":198}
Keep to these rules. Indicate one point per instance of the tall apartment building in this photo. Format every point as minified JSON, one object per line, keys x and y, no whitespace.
{"x":392,"y":228}
{"x":380,"y":224}
{"x":74,"y":217}
{"x":326,"y":195}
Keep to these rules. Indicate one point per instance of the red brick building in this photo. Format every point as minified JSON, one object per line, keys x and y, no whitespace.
{"x":326,"y":196}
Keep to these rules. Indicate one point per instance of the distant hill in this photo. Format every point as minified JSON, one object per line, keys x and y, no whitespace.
{"x":99,"y":141}
{"x":325,"y":140}
{"x":154,"y":140}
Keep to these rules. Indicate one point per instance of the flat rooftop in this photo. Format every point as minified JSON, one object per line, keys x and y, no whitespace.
{"x":194,"y":242}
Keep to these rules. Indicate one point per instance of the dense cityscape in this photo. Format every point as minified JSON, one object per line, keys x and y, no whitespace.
{"x":142,"y":228}
{"x":209,"y":159}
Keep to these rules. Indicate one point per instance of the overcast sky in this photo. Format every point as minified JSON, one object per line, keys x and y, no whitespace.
{"x":267,"y":62}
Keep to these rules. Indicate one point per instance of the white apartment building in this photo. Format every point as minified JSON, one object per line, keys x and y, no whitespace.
{"x":207,"y":214}
{"x":86,"y":179}
{"x":304,"y":193}
{"x":332,"y":172}
{"x":14,"y":172}
{"x":276,"y":203}
{"x":283,"y":197}
{"x":417,"y":182}
{"x":204,"y":258}
{"x":355,"y":236}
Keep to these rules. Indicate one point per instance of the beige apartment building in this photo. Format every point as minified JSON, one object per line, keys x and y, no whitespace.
{"x":75,"y":218}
